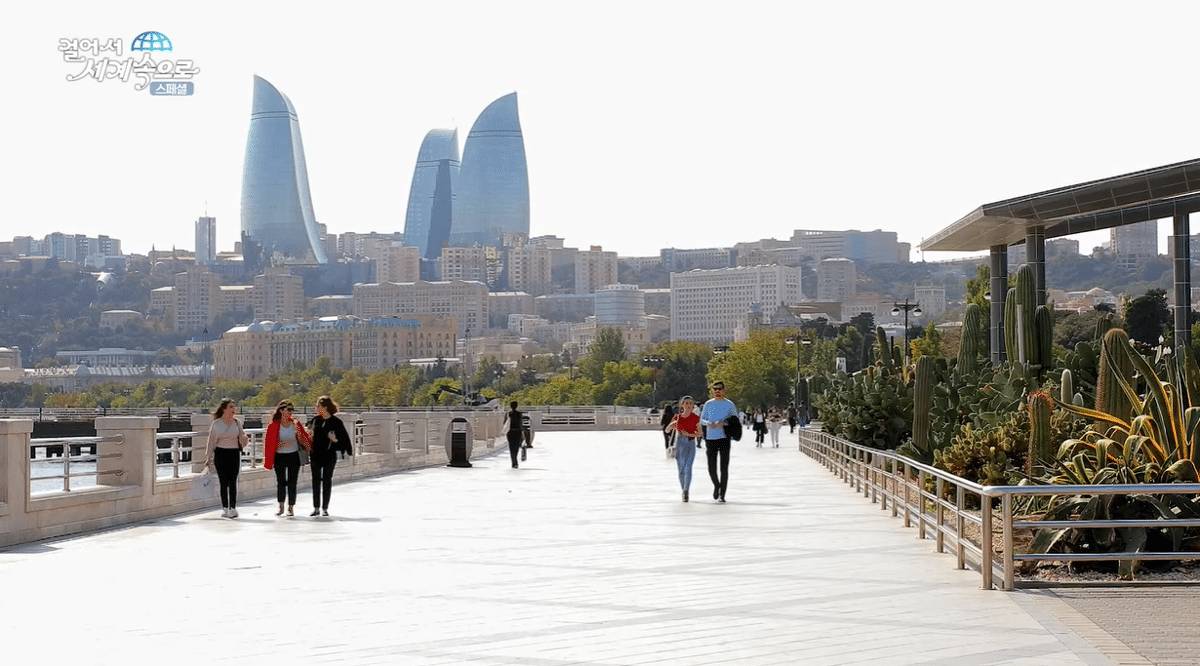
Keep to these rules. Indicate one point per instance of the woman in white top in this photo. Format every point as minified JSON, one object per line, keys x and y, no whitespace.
{"x":774,"y":424}
{"x":225,"y":442}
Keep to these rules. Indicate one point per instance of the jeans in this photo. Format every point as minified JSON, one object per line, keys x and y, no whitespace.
{"x":714,"y":448}
{"x":685,"y":454}
{"x":287,"y":469}
{"x":322,"y":479}
{"x":228,"y":462}
{"x":514,"y":445}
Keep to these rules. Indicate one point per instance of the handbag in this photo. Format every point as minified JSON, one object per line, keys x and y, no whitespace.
{"x":203,"y":487}
{"x":671,"y":450}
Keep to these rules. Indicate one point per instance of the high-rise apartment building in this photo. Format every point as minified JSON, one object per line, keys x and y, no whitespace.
{"x":492,"y":196}
{"x":197,"y":299}
{"x":431,"y":195}
{"x":1134,"y":242}
{"x":464,"y":263}
{"x":398,"y":263}
{"x":206,"y":240}
{"x":278,"y":296}
{"x":837,"y":279}
{"x":529,"y":268}
{"x":594,"y":269}
{"x":465,"y":301}
{"x":708,"y":305}
{"x":932,"y":298}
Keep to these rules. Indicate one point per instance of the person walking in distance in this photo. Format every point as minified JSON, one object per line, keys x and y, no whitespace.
{"x":760,"y":428}
{"x":281,"y":452}
{"x":774,"y":425}
{"x":791,"y":418}
{"x":226,"y":439}
{"x":686,"y":426}
{"x":717,"y":443}
{"x":514,"y":426}
{"x":329,"y":438}
{"x":668,"y":415}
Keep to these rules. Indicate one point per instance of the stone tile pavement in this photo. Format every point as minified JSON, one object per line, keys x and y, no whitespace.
{"x":585,"y":555}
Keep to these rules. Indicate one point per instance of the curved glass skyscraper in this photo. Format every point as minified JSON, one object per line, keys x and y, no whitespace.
{"x":277,"y":210}
{"x":431,"y":197}
{"x":493,"y":188}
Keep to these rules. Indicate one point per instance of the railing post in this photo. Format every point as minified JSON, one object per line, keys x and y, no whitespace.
{"x":985,"y":540}
{"x":907,"y":500}
{"x":921,"y":504}
{"x":895,"y":487}
{"x":941,"y":515}
{"x":1006,"y":511}
{"x":14,"y":465}
{"x":134,"y":458}
{"x":959,"y":523}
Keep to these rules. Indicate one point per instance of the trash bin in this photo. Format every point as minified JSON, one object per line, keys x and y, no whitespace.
{"x":458,"y":442}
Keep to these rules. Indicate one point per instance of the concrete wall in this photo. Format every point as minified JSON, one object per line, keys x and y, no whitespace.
{"x":390,"y":442}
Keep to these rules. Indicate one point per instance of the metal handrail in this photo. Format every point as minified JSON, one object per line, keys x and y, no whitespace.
{"x":175,"y":449}
{"x":67,"y":458}
{"x":849,"y":460}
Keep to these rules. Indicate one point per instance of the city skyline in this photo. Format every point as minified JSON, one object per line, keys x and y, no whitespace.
{"x":827,"y":112}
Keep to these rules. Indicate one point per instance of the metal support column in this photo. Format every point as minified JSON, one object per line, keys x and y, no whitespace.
{"x":1181,"y":250}
{"x":1035,"y":256}
{"x":999,"y":290}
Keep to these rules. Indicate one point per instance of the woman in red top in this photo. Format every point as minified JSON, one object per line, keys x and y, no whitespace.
{"x":284,"y":439}
{"x":686,"y":425}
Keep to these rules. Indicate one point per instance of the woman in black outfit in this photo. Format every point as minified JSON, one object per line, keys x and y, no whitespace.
{"x":514,"y":424}
{"x":668,"y":415}
{"x":329,"y":437}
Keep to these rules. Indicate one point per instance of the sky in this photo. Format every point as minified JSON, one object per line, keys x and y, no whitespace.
{"x":647,"y":124}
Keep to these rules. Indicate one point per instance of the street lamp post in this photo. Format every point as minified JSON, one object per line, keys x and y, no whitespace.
{"x":655,"y":362}
{"x":906,"y":307}
{"x":803,"y":342}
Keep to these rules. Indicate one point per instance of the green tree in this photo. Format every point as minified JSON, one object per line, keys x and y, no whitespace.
{"x":608,"y":347}
{"x":756,"y":372}
{"x":929,"y":344}
{"x":620,"y":377}
{"x":1147,"y":316}
{"x":849,"y":344}
{"x":684,"y":370}
{"x":488,"y":372}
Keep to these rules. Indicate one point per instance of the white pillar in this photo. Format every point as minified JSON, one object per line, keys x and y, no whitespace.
{"x":14,"y":467}
{"x":200,"y":424}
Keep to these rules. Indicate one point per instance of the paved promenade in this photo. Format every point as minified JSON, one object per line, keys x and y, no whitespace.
{"x":585,"y":555}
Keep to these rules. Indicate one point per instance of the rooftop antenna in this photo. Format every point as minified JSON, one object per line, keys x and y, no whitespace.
{"x":206,"y":208}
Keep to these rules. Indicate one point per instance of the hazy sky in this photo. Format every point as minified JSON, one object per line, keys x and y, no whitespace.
{"x":647,"y":124}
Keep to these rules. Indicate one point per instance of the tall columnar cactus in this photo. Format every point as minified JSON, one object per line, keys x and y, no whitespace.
{"x":968,"y":344}
{"x":897,"y":357}
{"x":922,"y":403}
{"x":1010,"y":324}
{"x":1115,"y":364}
{"x":885,"y":353}
{"x":1043,"y":324}
{"x":1066,"y":391}
{"x":866,"y":351}
{"x":1041,"y":408}
{"x":1026,"y":305}
{"x":1103,"y":324}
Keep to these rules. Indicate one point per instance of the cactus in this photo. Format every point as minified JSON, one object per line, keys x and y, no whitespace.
{"x":1041,"y":448}
{"x":922,"y":403}
{"x":1115,"y":366}
{"x":897,"y":357}
{"x":1077,"y":400}
{"x":1103,"y":324}
{"x":1025,"y":296}
{"x":1067,"y":389}
{"x":968,"y":344}
{"x":1043,"y":324}
{"x":1010,"y":325}
{"x":866,"y":351}
{"x":885,"y":356}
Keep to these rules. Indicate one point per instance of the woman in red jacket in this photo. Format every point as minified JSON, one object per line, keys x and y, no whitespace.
{"x":285,"y":437}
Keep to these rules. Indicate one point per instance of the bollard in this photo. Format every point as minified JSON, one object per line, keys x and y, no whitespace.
{"x":458,"y":442}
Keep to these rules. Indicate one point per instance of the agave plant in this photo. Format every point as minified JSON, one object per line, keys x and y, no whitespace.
{"x":1157,"y":441}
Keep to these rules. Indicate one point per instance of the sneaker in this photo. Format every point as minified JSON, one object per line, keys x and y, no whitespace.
{"x":685,"y":495}
{"x":716,"y":493}
{"x":721,"y":500}
{"x":280,"y":511}
{"x":233,"y":513}
{"x":325,"y":512}
{"x":290,"y":512}
{"x":316,"y":512}
{"x":225,"y":512}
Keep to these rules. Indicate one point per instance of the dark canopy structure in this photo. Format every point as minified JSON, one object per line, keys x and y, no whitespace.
{"x":1170,"y":191}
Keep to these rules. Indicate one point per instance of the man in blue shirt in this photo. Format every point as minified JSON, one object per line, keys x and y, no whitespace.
{"x":713,"y":418}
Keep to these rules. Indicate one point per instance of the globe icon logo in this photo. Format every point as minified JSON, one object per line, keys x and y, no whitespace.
{"x":151,"y":41}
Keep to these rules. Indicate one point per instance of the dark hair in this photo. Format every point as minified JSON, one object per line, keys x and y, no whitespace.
{"x":220,"y":410}
{"x":718,"y":385}
{"x":328,"y":403}
{"x":283,"y":404}
{"x":513,"y":405}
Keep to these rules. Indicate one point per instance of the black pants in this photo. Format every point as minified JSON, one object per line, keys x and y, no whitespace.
{"x":667,"y":439}
{"x":760,"y":433}
{"x":714,"y":448}
{"x":322,"y":479}
{"x":228,"y":462}
{"x":792,"y":425}
{"x":514,"y":445}
{"x":287,"y":469}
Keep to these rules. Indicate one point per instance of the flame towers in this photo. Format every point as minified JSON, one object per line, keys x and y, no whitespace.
{"x":431,"y":196}
{"x":493,"y":188}
{"x":277,"y":211}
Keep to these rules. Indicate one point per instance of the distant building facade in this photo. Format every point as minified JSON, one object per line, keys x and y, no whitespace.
{"x":465,"y":301}
{"x":837,"y":279}
{"x":708,"y":305}
{"x":594,"y":269}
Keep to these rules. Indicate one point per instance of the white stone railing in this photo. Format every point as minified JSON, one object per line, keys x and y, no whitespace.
{"x":133,"y":482}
